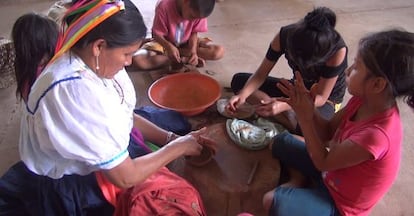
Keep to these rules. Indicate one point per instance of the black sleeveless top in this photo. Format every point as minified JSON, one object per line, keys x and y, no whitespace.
{"x":314,"y":73}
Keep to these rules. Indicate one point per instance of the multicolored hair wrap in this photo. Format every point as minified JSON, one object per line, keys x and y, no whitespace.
{"x":90,"y":15}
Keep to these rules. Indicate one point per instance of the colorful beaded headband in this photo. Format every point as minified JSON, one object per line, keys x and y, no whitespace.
{"x":91,"y":14}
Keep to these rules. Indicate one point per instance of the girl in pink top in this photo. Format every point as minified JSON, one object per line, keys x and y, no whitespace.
{"x":353,"y":158}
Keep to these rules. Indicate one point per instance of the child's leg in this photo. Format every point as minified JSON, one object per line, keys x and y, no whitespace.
{"x":205,"y":51}
{"x":286,"y":199}
{"x":287,"y":119}
{"x":299,"y":201}
{"x":150,"y":57}
{"x":296,"y":180}
{"x":209,"y":51}
{"x":297,"y":174}
{"x":291,"y":151}
{"x":149,"y":62}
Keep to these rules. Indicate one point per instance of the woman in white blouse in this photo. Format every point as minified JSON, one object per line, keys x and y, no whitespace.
{"x":79,"y":117}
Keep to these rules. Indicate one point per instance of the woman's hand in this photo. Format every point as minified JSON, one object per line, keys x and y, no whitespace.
{"x":194,"y":142}
{"x":299,"y":98}
{"x":269,"y":108}
{"x":234,"y":102}
{"x":208,"y":143}
{"x":203,"y":140}
{"x":188,"y":143}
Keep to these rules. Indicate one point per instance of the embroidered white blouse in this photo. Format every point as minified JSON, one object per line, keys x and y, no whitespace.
{"x":76,"y":122}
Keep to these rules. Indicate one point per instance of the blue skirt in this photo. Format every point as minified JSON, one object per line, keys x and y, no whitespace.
{"x":23,"y":192}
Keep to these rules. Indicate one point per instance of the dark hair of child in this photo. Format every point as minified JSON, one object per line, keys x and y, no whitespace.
{"x":314,"y":39}
{"x":203,"y":7}
{"x":390,"y":54}
{"x":34,"y":37}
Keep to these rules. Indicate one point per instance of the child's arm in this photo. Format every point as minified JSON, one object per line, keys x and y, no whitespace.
{"x":192,"y":45}
{"x":172,"y":51}
{"x":327,"y":128}
{"x":161,"y":28}
{"x":256,"y":80}
{"x":339,"y":156}
{"x":262,"y":71}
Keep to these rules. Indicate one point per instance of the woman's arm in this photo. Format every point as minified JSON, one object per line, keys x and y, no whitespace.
{"x":134,"y":171}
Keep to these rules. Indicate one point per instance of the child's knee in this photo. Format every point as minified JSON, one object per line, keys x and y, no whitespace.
{"x":280,"y":143}
{"x":268,"y":200}
{"x":211,"y":52}
{"x":218,"y":52}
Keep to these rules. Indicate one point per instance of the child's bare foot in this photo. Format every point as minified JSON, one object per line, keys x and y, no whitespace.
{"x":203,"y":42}
{"x":177,"y":66}
{"x":201,"y":62}
{"x":287,"y":119}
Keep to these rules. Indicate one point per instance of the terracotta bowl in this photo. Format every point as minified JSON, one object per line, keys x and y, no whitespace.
{"x":188,"y":93}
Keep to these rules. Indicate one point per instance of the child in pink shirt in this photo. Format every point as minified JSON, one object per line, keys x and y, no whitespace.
{"x":353,"y":158}
{"x":176,"y":27}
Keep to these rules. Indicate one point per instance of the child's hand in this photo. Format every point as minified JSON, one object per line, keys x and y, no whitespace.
{"x":299,"y":98}
{"x":201,"y":62}
{"x":234,"y":102}
{"x":193,"y":60}
{"x":269,"y":108}
{"x":173,"y":53}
